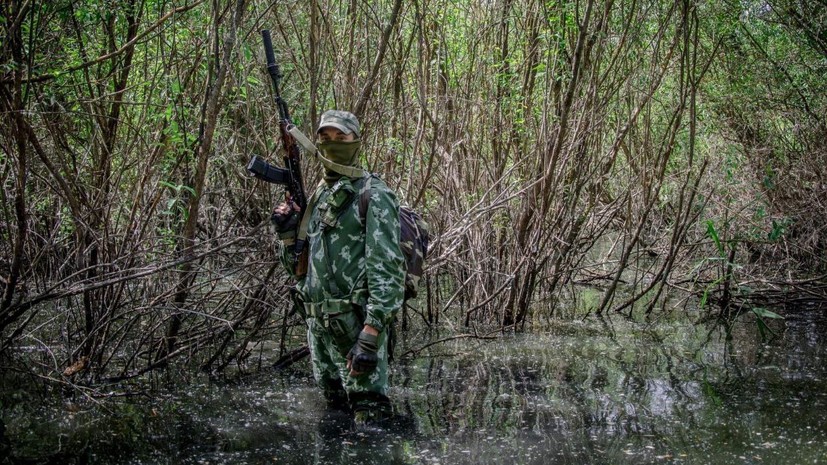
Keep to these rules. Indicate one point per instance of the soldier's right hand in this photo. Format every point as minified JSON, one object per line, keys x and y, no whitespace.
{"x":363,"y":357}
{"x":285,"y":217}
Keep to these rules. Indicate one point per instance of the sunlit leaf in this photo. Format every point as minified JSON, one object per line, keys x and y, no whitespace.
{"x":764,"y":313}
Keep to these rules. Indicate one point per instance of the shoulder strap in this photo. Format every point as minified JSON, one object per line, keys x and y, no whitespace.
{"x":364,"y":199}
{"x":305,"y":223}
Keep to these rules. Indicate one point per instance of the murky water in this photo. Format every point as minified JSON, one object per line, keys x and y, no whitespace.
{"x":594,"y":391}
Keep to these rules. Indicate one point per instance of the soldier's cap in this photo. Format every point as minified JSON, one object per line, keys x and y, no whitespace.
{"x":344,"y":121}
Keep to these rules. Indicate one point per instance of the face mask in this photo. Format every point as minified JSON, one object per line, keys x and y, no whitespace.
{"x":343,"y":153}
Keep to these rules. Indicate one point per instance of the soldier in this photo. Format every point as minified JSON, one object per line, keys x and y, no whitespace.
{"x":354,"y":284}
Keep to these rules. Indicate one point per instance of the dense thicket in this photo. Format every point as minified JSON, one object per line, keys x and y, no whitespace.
{"x":590,"y":155}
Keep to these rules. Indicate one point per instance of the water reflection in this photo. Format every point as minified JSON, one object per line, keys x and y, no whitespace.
{"x":595,"y":391}
{"x":672,"y":391}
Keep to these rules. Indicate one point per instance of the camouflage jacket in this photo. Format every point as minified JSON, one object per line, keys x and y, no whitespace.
{"x":347,"y":258}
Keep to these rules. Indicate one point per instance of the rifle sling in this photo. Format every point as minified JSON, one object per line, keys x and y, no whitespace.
{"x":301,"y":235}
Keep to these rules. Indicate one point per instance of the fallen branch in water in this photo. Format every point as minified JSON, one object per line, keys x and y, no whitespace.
{"x":291,"y":357}
{"x":447,"y":339}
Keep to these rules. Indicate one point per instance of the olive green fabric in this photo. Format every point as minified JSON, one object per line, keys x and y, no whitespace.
{"x":341,"y":152}
{"x":351,"y":171}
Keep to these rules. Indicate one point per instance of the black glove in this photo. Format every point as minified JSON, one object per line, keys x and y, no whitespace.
{"x":285,"y":222}
{"x":362,"y":356}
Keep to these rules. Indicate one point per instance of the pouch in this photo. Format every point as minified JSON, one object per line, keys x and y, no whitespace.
{"x":343,"y":321}
{"x":344,"y":328}
{"x":339,"y":199}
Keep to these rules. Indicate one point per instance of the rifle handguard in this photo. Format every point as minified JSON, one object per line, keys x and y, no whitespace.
{"x":302,"y":262}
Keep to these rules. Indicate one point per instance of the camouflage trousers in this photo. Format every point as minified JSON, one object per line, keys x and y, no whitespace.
{"x":328,"y":358}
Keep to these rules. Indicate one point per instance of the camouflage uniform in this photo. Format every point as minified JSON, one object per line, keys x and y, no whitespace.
{"x":355,"y":277}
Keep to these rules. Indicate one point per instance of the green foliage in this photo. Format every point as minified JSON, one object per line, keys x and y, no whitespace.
{"x":711,"y":392}
{"x":177,"y":203}
{"x":778,"y":230}
{"x":762,"y":314}
{"x":713,"y":234}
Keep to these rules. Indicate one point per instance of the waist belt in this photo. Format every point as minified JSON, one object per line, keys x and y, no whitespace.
{"x":332,"y":307}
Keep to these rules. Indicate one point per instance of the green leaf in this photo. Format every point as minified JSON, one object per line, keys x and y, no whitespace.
{"x":188,"y":189}
{"x":763,"y":329}
{"x":764,"y":313}
{"x":711,"y":392}
{"x":713,"y":234}
{"x":777,"y":231}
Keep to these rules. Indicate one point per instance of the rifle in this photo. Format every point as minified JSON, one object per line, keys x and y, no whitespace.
{"x":291,"y":175}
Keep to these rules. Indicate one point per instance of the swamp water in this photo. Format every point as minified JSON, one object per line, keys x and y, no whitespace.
{"x":594,"y":391}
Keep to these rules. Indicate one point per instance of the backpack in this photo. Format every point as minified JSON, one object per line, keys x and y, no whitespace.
{"x":413,"y":240}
